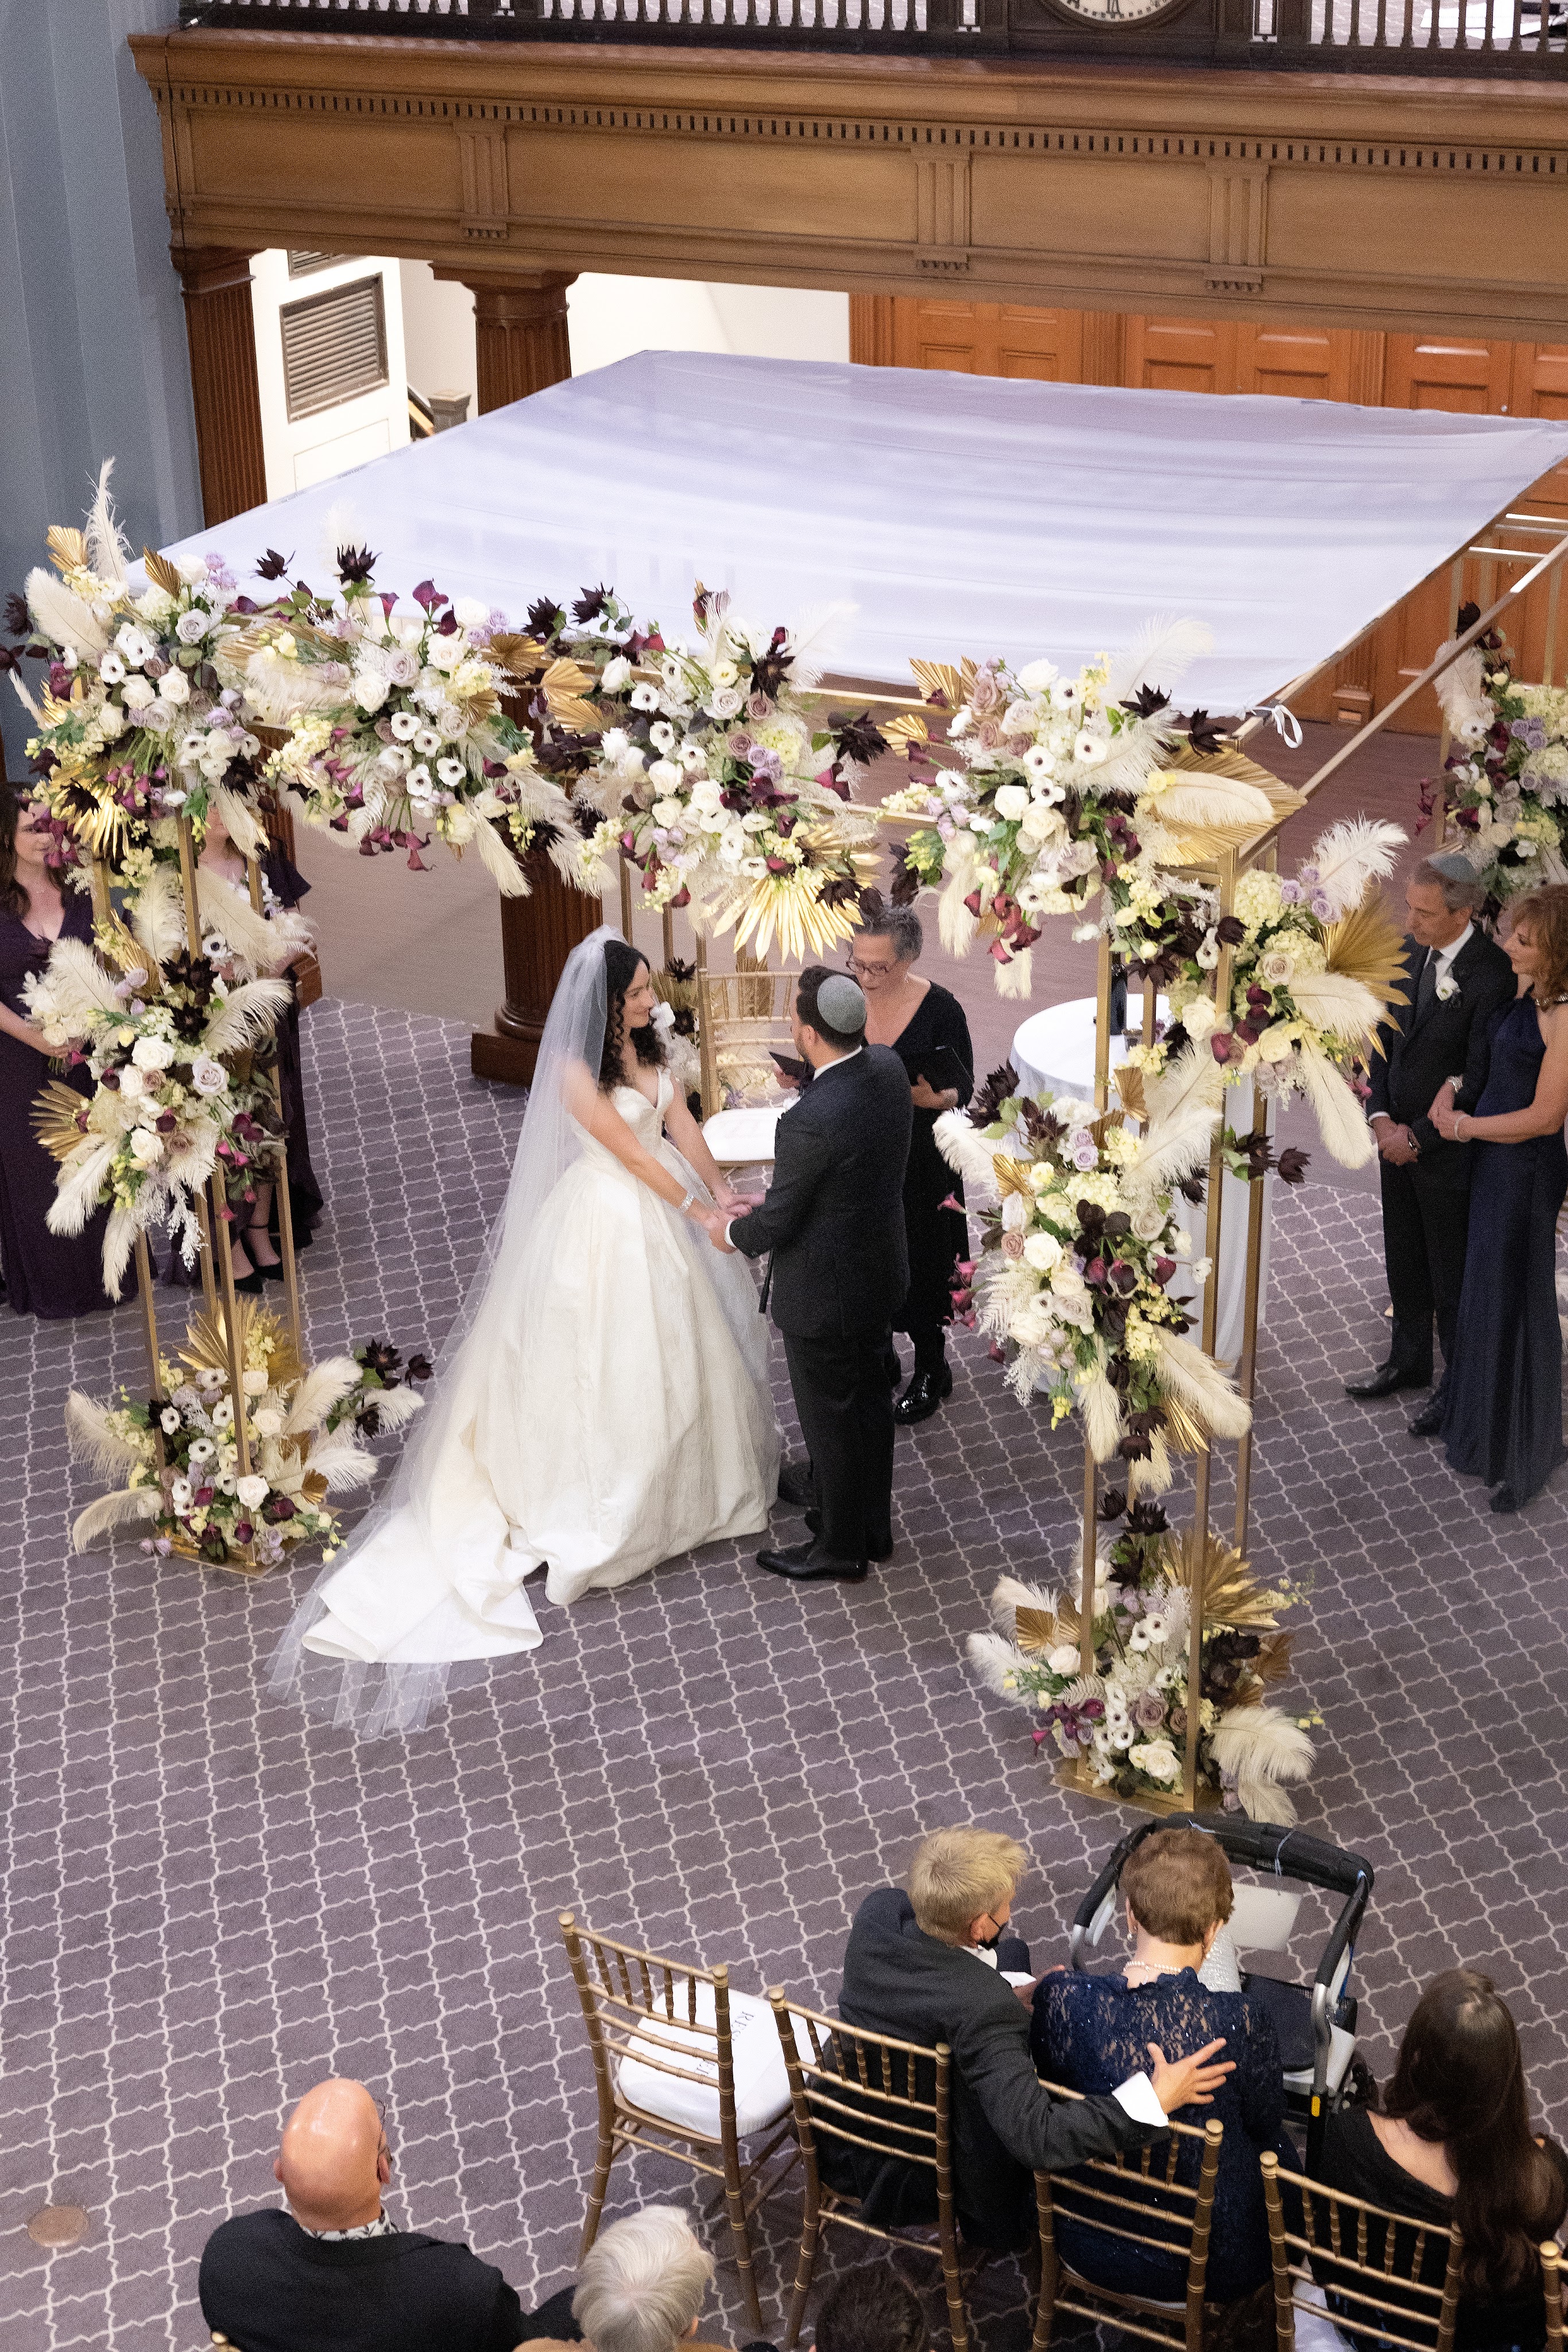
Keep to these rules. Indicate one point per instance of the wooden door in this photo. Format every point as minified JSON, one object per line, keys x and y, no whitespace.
{"x":1005,"y":339}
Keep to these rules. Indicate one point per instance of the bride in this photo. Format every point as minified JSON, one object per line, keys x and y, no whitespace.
{"x":605,"y":1400}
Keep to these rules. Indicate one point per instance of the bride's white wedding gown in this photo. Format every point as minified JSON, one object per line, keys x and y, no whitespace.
{"x":615,"y":1411}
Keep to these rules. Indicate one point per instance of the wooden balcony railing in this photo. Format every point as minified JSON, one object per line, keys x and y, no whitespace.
{"x":1402,"y":37}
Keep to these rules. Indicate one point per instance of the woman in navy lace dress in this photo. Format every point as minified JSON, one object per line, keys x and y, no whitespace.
{"x":1502,"y":1418}
{"x":1091,"y":2032}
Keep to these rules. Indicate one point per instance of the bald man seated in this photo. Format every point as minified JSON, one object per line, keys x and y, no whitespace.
{"x":332,"y":2273}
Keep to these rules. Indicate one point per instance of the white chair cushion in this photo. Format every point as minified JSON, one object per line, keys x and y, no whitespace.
{"x":761,"y":2084}
{"x":1315,"y":2331}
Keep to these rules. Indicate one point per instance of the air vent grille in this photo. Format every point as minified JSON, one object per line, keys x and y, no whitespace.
{"x":334,"y":346}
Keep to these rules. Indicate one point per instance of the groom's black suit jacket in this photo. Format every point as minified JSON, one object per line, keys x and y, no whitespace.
{"x":833,"y":1217}
{"x":1452,"y":1040}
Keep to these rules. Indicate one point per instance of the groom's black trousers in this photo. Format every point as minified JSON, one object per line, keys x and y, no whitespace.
{"x":845,"y":1405}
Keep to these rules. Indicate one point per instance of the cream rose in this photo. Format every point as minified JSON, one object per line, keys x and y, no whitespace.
{"x":1011,"y":801}
{"x":153,"y":1053}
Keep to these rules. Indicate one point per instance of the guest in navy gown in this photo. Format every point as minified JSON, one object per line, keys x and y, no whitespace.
{"x":1503,"y":1420}
{"x":45,"y":1273}
{"x":1091,"y":2032}
{"x":255,"y":1255}
{"x":925,"y":1027}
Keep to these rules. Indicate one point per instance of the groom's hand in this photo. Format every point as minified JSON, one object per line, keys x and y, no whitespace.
{"x":713,"y":1222}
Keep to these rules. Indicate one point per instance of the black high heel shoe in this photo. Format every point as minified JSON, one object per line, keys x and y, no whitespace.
{"x":926,"y":1394}
{"x":273,"y":1272}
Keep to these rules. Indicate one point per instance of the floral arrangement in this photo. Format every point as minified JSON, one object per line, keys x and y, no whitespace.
{"x":135,"y":728}
{"x":1315,"y":963}
{"x":177,"y":1455}
{"x":1125,"y":1710}
{"x":1071,"y":795}
{"x":1507,"y":773}
{"x":1079,"y":1249}
{"x":714,"y":781}
{"x":177,"y":1055}
{"x":392,"y":720}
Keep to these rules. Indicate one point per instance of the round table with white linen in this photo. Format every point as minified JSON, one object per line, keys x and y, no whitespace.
{"x":1055,"y":1049}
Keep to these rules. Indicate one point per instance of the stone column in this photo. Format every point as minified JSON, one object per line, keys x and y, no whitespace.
{"x":220,"y":328}
{"x":520,"y":334}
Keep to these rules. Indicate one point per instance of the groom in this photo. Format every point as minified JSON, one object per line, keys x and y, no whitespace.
{"x":838,"y":1267}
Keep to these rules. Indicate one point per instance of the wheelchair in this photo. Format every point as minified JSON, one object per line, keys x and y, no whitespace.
{"x":1316,"y":2023}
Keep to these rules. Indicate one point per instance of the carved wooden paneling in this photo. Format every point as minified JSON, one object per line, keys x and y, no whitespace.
{"x":989,"y":339}
{"x":225,"y":388}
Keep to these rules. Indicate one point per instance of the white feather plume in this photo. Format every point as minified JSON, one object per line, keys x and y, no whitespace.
{"x":498,"y":862}
{"x":340,"y":526}
{"x":77,"y":1186}
{"x":1177,"y":1142}
{"x":397,"y":1405}
{"x":1350,"y":855}
{"x":1341,"y":1122}
{"x":93,"y":1442}
{"x":1010,"y":1594}
{"x":1155,"y":1474}
{"x":1016,"y":977}
{"x":126,"y":1507}
{"x":64,"y":616}
{"x":324,"y":1385}
{"x":993,"y":1659}
{"x":119,"y":1237}
{"x":1337,"y":1004}
{"x":1463,"y":683}
{"x":815,"y":640}
{"x":1160,"y":654}
{"x":74,"y":987}
{"x":1199,"y":800}
{"x":158,"y":916}
{"x":342,"y":1462}
{"x":107,"y":551}
{"x":224,"y":908}
{"x":1195,"y":1380}
{"x":963,"y":1147}
{"x":251,"y":1013}
{"x":238,"y":820}
{"x":1193,"y":1082}
{"x":955,"y":922}
{"x":1263,"y":1749}
{"x":278,"y":690}
{"x":1102,"y":1412}
{"x":24,"y":697}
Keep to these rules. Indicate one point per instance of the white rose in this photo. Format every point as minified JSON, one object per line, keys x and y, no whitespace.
{"x":208,"y":1077}
{"x":251,"y":1492}
{"x":137,"y":693}
{"x":725,"y":703}
{"x":1198,"y":1019}
{"x":664,"y":776}
{"x":146,"y":1147}
{"x":153,"y":1053}
{"x":1037,"y":676}
{"x":1276,"y":968}
{"x":175,"y":688}
{"x":1043,"y":1252}
{"x":1157,"y":1758}
{"x":110,"y":721}
{"x":133,"y":1084}
{"x":668,"y":813}
{"x":469,"y":613}
{"x":268,"y":1423}
{"x":1149,"y":1224}
{"x":192,"y":626}
{"x":1275,"y":1045}
{"x":370,"y":689}
{"x":1063,"y":1659}
{"x":1011,"y":801}
{"x":616,"y":675}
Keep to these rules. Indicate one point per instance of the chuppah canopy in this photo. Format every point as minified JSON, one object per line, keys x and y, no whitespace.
{"x":958,"y":514}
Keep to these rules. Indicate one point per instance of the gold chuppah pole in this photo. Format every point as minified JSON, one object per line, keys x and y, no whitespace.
{"x":217,"y":1190}
{"x":285,"y":1197}
{"x":1247,"y":1371}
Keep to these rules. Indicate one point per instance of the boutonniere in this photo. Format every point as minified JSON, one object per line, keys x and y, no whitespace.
{"x":1447,"y":989}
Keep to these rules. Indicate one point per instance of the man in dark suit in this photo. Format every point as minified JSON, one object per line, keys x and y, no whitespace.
{"x":332,"y":2274}
{"x":924,"y":1966}
{"x":1454,"y":980}
{"x":832,"y":1223}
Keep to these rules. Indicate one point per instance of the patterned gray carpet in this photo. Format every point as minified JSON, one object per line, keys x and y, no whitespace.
{"x":209,"y":1902}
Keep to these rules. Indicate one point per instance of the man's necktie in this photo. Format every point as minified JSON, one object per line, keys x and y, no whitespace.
{"x":1426,"y":987}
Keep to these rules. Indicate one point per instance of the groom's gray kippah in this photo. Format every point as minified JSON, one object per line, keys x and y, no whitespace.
{"x":841,"y":1004}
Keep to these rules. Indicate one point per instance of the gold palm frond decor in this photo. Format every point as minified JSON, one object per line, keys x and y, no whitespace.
{"x":1367,"y":945}
{"x":57,"y":1117}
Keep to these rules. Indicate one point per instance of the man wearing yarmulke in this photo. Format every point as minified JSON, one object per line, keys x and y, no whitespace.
{"x":832,"y":1228}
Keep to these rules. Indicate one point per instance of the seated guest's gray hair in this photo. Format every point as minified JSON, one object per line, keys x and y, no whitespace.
{"x":900,"y":926}
{"x":1454,"y":876}
{"x":642,"y":2283}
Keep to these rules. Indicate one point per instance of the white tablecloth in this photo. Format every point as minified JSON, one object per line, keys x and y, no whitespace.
{"x":1056,"y":1049}
{"x":738,"y":1139}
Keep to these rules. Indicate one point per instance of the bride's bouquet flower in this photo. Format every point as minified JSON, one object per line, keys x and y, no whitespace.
{"x":1063,"y":797}
{"x":1507,"y":774}
{"x":1124,"y":1710}
{"x":178,"y":1057}
{"x":1080,"y":1249}
{"x":1316,"y":962}
{"x":393,"y":726}
{"x":176,"y":1458}
{"x":715,"y":782}
{"x":136,"y":726}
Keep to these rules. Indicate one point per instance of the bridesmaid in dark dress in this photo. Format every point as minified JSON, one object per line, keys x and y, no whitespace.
{"x":918,"y":1018}
{"x":258,"y":1255}
{"x":45,"y":1273}
{"x":1503,"y":1421}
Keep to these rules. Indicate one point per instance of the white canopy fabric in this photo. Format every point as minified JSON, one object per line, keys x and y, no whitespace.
{"x":958,"y":514}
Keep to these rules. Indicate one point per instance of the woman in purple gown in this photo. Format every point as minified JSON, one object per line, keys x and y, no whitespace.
{"x":45,"y":1272}
{"x":1503,"y":1420}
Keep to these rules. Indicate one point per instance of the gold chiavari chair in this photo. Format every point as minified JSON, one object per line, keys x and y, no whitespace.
{"x":891,"y":2098}
{"x":684,"y":2066}
{"x":1137,"y":2199}
{"x":742,"y":1017}
{"x":1368,"y":2261}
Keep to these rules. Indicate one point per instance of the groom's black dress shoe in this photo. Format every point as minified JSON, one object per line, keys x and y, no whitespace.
{"x":1429,"y":1421}
{"x":796,"y":1484}
{"x":1385,"y":1380}
{"x":807,"y":1563}
{"x":926,"y":1394}
{"x":872,"y":1551}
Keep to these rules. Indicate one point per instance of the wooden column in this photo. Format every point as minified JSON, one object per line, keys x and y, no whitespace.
{"x":221,"y":330}
{"x":521,"y":344}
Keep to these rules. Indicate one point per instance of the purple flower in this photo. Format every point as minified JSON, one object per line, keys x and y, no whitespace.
{"x":1308,"y":873}
{"x":1130,"y":1600}
{"x":1148,"y":1710}
{"x":1289,"y":894}
{"x":1321,"y":907}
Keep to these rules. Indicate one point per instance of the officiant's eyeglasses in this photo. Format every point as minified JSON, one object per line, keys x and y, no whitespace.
{"x":870,"y":971}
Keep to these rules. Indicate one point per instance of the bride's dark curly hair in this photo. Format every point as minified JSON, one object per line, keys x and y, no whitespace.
{"x":621,"y":966}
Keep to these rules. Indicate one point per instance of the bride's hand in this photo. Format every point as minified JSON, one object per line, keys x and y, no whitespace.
{"x":733,"y":1203}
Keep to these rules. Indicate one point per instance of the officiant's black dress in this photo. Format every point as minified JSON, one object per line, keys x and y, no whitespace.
{"x":305,"y":1196}
{"x":45,"y":1272}
{"x":1503,"y":1417}
{"x":937,"y":1237}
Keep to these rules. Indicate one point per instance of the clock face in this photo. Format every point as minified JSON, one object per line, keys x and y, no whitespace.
{"x":1110,"y":15}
